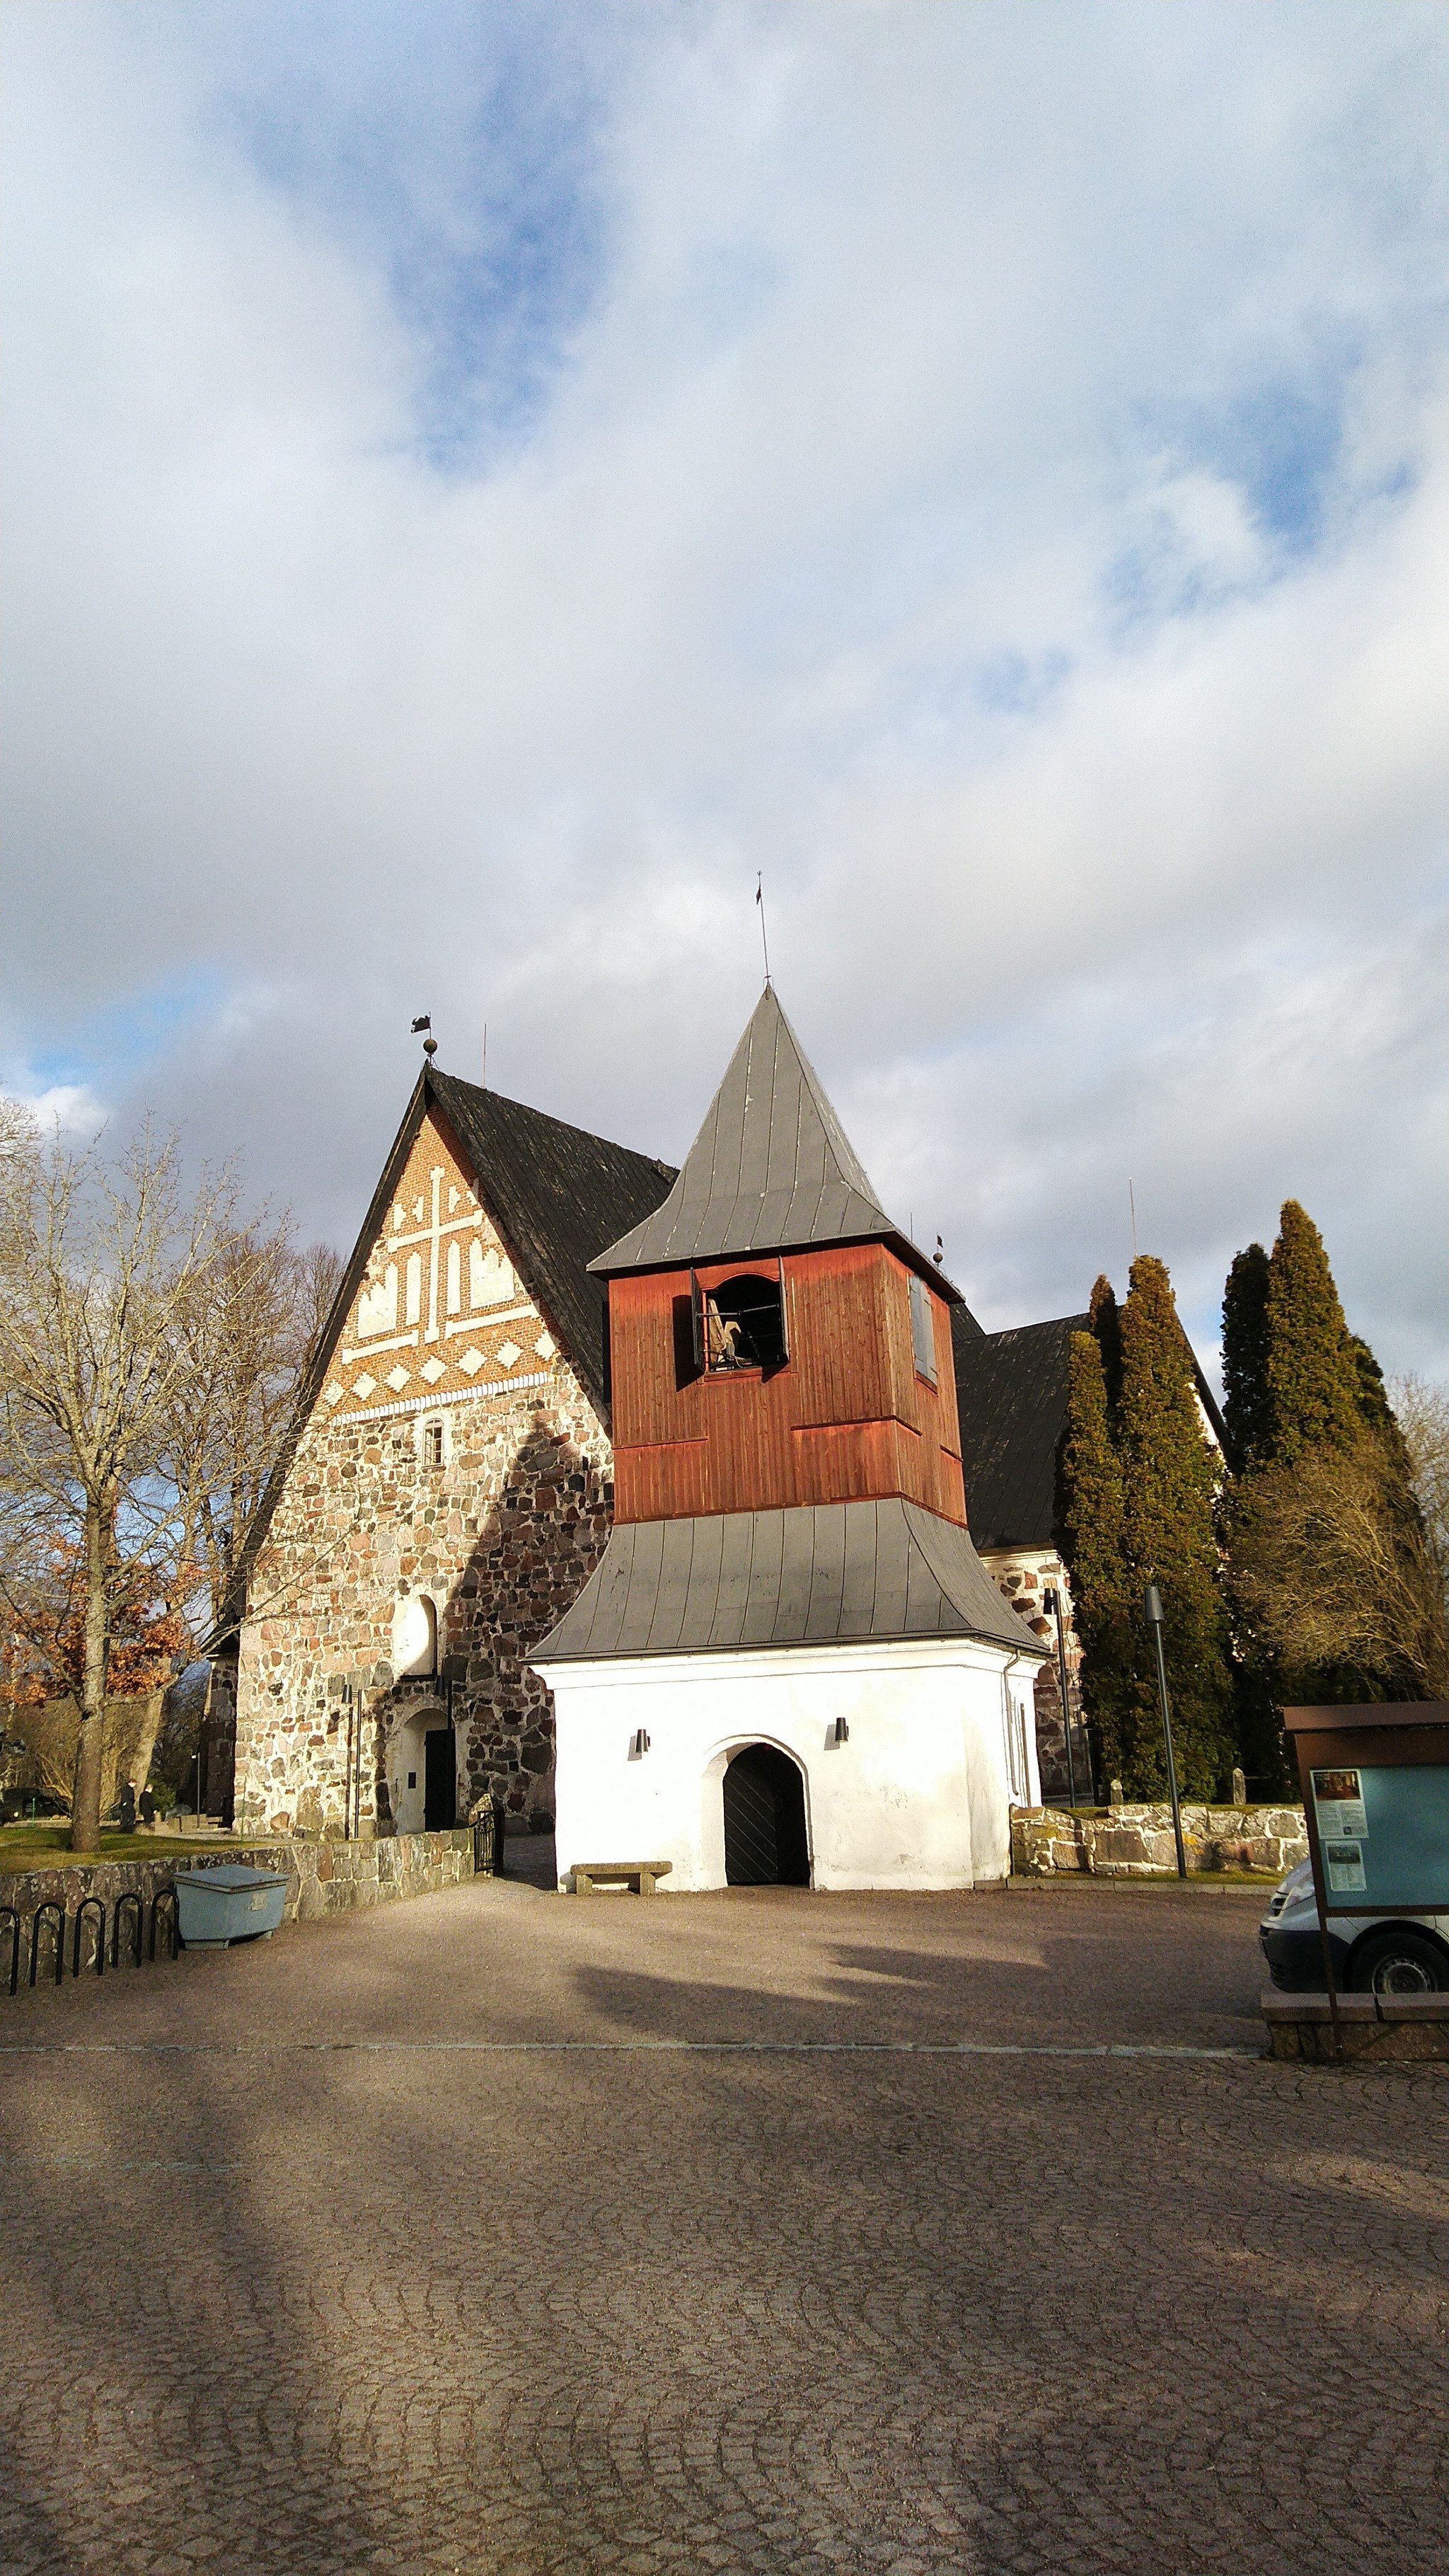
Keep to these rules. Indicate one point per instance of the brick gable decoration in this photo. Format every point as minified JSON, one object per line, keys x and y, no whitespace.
{"x":447,"y":1495}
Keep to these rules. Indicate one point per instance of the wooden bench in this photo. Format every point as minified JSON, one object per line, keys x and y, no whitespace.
{"x":637,"y":1875}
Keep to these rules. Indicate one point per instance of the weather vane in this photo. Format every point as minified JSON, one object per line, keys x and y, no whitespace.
{"x":430,"y":1043}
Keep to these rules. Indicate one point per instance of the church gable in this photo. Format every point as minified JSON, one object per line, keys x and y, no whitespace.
{"x":440,"y":1310}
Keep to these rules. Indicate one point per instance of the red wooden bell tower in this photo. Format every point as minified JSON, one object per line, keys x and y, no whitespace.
{"x":774,"y":1340}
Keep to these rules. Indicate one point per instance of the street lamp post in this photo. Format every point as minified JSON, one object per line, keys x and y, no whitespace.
{"x":1152,"y":1613}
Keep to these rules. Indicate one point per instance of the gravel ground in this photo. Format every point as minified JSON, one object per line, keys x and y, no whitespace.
{"x":417,"y":2241}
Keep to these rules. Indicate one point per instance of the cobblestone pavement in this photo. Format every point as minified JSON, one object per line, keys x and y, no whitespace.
{"x":294,"y":2281}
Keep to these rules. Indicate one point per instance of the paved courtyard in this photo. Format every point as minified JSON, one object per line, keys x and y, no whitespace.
{"x":403,"y":2243}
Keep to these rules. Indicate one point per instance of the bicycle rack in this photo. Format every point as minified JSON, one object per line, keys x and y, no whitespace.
{"x":82,"y":1910}
{"x":128,"y":1897}
{"x":49,"y":1907}
{"x":11,"y":1914}
{"x":164,"y":1896}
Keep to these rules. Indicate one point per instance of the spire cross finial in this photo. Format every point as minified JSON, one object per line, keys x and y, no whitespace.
{"x":760,"y":901}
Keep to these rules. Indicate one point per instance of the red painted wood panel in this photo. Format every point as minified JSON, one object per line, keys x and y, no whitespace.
{"x":846,"y":1419}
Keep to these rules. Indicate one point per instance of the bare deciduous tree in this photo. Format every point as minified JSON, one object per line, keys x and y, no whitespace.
{"x":103,"y":1276}
{"x":1330,"y":1570}
{"x":1422,"y":1412}
{"x":245,"y":1349}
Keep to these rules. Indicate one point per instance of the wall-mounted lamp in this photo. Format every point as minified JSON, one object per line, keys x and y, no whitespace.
{"x":840,"y":1732}
{"x":638,"y":1743}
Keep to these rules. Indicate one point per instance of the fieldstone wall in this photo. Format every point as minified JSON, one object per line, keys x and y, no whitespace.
{"x":1137,"y":1841}
{"x":499,"y":1538}
{"x":322,"y":1878}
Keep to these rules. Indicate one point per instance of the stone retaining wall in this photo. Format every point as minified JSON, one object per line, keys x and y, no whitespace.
{"x":1136,"y":1842}
{"x":322,"y":1877}
{"x":1391,"y":2028}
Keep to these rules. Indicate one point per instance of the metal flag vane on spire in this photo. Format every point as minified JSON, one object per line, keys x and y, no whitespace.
{"x":760,"y":902}
{"x":430,"y":1043}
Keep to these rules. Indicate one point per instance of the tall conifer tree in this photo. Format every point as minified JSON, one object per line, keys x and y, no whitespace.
{"x":1091,"y":1514}
{"x":1169,"y":1484}
{"x":1313,"y":1391}
{"x":1245,"y":1358}
{"x":1313,"y":1384}
{"x":1137,"y":1486}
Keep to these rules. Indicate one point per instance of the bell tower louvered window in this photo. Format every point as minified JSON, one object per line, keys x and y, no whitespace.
{"x":923,"y":1331}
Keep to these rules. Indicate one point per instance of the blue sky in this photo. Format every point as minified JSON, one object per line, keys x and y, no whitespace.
{"x":488,"y":480}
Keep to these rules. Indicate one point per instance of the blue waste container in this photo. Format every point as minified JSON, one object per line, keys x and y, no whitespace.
{"x":230,"y":1903}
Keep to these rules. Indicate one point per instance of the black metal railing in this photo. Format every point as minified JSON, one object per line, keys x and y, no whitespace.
{"x":164,"y":1896}
{"x":488,"y":1829}
{"x":42,"y":1914}
{"x":124,"y":1902}
{"x":87,"y":1928}
{"x":89,"y":1905}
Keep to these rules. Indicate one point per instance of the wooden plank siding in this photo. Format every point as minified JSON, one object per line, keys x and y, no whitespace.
{"x":846,"y":1419}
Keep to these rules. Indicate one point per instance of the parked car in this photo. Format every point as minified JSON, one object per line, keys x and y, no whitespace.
{"x":1372,"y":1954}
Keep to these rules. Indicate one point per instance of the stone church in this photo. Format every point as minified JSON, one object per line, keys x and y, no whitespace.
{"x":447,"y":1491}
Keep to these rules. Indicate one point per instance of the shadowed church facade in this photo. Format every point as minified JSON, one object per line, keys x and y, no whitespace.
{"x":561,"y":1381}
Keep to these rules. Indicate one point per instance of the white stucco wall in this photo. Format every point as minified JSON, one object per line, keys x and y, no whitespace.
{"x":940,"y":1748}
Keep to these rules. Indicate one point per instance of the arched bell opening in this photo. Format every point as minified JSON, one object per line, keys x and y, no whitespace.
{"x":744,"y":1324}
{"x":767,"y":1843}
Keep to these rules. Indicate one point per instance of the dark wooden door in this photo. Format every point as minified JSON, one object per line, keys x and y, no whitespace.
{"x":440,"y":1780}
{"x":764,"y":1819}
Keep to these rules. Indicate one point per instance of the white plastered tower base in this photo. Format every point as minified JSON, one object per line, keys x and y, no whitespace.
{"x":938,"y":1748}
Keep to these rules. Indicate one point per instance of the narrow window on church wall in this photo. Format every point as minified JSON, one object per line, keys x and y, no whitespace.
{"x":923,"y":1333}
{"x":455,"y":1279}
{"x":414,"y":1306}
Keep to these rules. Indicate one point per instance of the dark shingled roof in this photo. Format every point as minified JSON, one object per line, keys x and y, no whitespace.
{"x":771,"y":1169}
{"x":1011,"y":1391}
{"x":555,"y":1193}
{"x":826,"y":1574}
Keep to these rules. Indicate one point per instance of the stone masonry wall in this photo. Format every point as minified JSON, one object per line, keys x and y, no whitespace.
{"x":1023,"y":1576}
{"x":322,"y":1878}
{"x":1137,"y":1842}
{"x":499,"y":1539}
{"x":453,"y":1471}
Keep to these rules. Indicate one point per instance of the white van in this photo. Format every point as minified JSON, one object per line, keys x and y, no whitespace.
{"x":1372,"y":1954}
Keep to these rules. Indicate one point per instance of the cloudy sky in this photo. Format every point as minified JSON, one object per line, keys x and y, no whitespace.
{"x":484,"y":480}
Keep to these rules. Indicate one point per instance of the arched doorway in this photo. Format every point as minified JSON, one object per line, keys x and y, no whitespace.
{"x":766,"y":1844}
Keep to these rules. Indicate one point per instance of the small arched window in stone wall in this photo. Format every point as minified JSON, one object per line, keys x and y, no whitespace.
{"x":414,"y":1636}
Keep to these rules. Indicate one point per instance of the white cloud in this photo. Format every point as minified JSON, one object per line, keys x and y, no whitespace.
{"x":994,"y":484}
{"x":69,"y":1109}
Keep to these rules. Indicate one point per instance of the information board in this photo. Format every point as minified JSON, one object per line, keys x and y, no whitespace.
{"x":1383,"y":1831}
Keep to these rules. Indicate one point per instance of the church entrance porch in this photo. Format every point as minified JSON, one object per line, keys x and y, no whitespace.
{"x":766,"y":1844}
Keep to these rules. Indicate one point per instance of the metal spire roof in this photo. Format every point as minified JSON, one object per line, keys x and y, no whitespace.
{"x":770,"y":1170}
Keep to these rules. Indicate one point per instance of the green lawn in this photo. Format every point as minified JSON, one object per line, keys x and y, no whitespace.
{"x":46,"y":1845}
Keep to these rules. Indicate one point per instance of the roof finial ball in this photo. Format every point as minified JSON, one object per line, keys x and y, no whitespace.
{"x":430,"y":1043}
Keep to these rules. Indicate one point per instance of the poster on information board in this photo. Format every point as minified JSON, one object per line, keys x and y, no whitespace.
{"x":1384,"y":1833}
